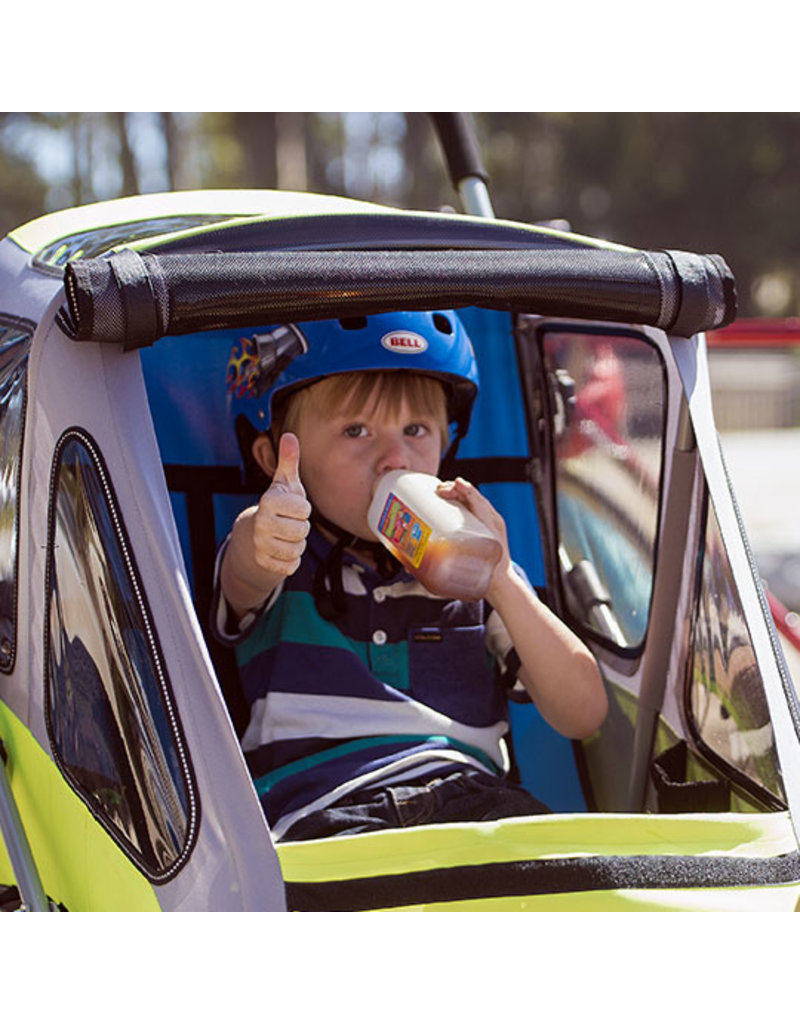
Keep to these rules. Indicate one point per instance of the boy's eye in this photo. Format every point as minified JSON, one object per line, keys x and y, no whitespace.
{"x":354,"y":430}
{"x":416,"y":430}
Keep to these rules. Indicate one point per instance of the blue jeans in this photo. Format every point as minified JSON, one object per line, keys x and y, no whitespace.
{"x":468,"y":795}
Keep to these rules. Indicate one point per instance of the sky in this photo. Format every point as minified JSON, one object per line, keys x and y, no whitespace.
{"x":52,"y":153}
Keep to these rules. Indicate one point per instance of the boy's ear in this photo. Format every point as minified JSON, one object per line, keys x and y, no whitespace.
{"x":264,"y":453}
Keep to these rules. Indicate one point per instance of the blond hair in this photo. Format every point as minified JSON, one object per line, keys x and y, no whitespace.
{"x":345,"y":393}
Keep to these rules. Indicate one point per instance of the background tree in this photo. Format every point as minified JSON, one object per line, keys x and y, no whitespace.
{"x":22,"y":191}
{"x":714,"y":182}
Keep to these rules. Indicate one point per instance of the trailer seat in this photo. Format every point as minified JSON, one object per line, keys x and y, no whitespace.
{"x":185,"y":376}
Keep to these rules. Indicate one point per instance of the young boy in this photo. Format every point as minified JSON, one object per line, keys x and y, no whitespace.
{"x":374,"y":704}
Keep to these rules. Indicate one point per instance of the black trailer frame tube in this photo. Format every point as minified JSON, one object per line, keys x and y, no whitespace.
{"x":134,"y":299}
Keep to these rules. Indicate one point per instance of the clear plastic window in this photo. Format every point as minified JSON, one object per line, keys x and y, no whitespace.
{"x":727,"y":705}
{"x":114,"y":730}
{"x":608,"y":401}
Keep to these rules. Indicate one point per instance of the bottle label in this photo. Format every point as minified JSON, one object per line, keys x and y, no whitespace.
{"x":404,"y":530}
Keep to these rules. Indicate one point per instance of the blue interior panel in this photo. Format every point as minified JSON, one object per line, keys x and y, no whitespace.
{"x":185,"y":380}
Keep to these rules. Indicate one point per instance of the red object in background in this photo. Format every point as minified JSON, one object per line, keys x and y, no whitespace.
{"x":784,"y":620}
{"x":602,"y":398}
{"x":600,"y":401}
{"x":757,"y":333}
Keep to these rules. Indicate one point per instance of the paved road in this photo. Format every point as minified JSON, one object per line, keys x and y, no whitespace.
{"x":765,"y":469}
{"x":764,"y":466}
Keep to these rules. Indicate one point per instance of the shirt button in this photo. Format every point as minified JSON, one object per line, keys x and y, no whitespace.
{"x":379,"y":595}
{"x":379,"y":637}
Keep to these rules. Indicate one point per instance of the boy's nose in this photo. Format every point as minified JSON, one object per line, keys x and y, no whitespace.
{"x":393,"y":455}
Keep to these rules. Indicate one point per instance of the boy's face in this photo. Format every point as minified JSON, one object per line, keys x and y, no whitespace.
{"x":342,"y":456}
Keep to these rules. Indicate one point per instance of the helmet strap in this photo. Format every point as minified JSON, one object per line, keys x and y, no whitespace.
{"x":447,"y":467}
{"x":328,"y":586}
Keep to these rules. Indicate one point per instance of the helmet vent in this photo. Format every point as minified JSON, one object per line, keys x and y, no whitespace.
{"x":354,"y":323}
{"x":442,"y":323}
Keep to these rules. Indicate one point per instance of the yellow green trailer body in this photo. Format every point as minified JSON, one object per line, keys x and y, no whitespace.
{"x":127,"y":789}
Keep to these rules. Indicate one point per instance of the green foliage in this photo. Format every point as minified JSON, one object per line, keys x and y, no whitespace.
{"x":22,"y":191}
{"x":706,"y":182}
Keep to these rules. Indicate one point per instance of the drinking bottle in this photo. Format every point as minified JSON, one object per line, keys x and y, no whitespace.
{"x":440,"y":542}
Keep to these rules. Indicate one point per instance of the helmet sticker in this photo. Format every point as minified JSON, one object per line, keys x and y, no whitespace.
{"x":267,"y":366}
{"x":404,"y":342}
{"x":243,"y":369}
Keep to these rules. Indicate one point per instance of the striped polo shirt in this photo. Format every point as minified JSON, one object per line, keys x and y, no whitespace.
{"x":403,"y":686}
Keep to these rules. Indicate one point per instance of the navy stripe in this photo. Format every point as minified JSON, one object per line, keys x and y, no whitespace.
{"x":362,"y":614}
{"x":325,"y":671}
{"x":426,"y":653}
{"x":267,"y":759}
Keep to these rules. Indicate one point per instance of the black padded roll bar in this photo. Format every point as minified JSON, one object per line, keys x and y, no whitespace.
{"x":135,"y":299}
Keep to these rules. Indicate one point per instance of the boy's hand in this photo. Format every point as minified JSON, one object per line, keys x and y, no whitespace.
{"x":281,"y":523}
{"x":463,"y":492}
{"x":557,"y":669}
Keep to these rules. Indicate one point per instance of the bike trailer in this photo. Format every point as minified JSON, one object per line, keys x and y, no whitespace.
{"x":123,"y":785}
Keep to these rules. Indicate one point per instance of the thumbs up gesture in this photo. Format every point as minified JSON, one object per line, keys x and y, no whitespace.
{"x":287,"y":472}
{"x":281,"y":522}
{"x":268,"y":539}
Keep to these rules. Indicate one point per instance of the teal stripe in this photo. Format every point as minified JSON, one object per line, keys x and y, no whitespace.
{"x":266,"y":782}
{"x":294,"y":619}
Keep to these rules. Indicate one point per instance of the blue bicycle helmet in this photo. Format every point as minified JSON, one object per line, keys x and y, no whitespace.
{"x":265,"y":366}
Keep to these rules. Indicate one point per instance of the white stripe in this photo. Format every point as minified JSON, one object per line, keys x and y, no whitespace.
{"x":409,"y":588}
{"x":298,"y":716}
{"x":351,"y":581}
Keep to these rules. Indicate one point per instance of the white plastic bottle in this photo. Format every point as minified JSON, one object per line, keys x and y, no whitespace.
{"x":445,"y":546}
